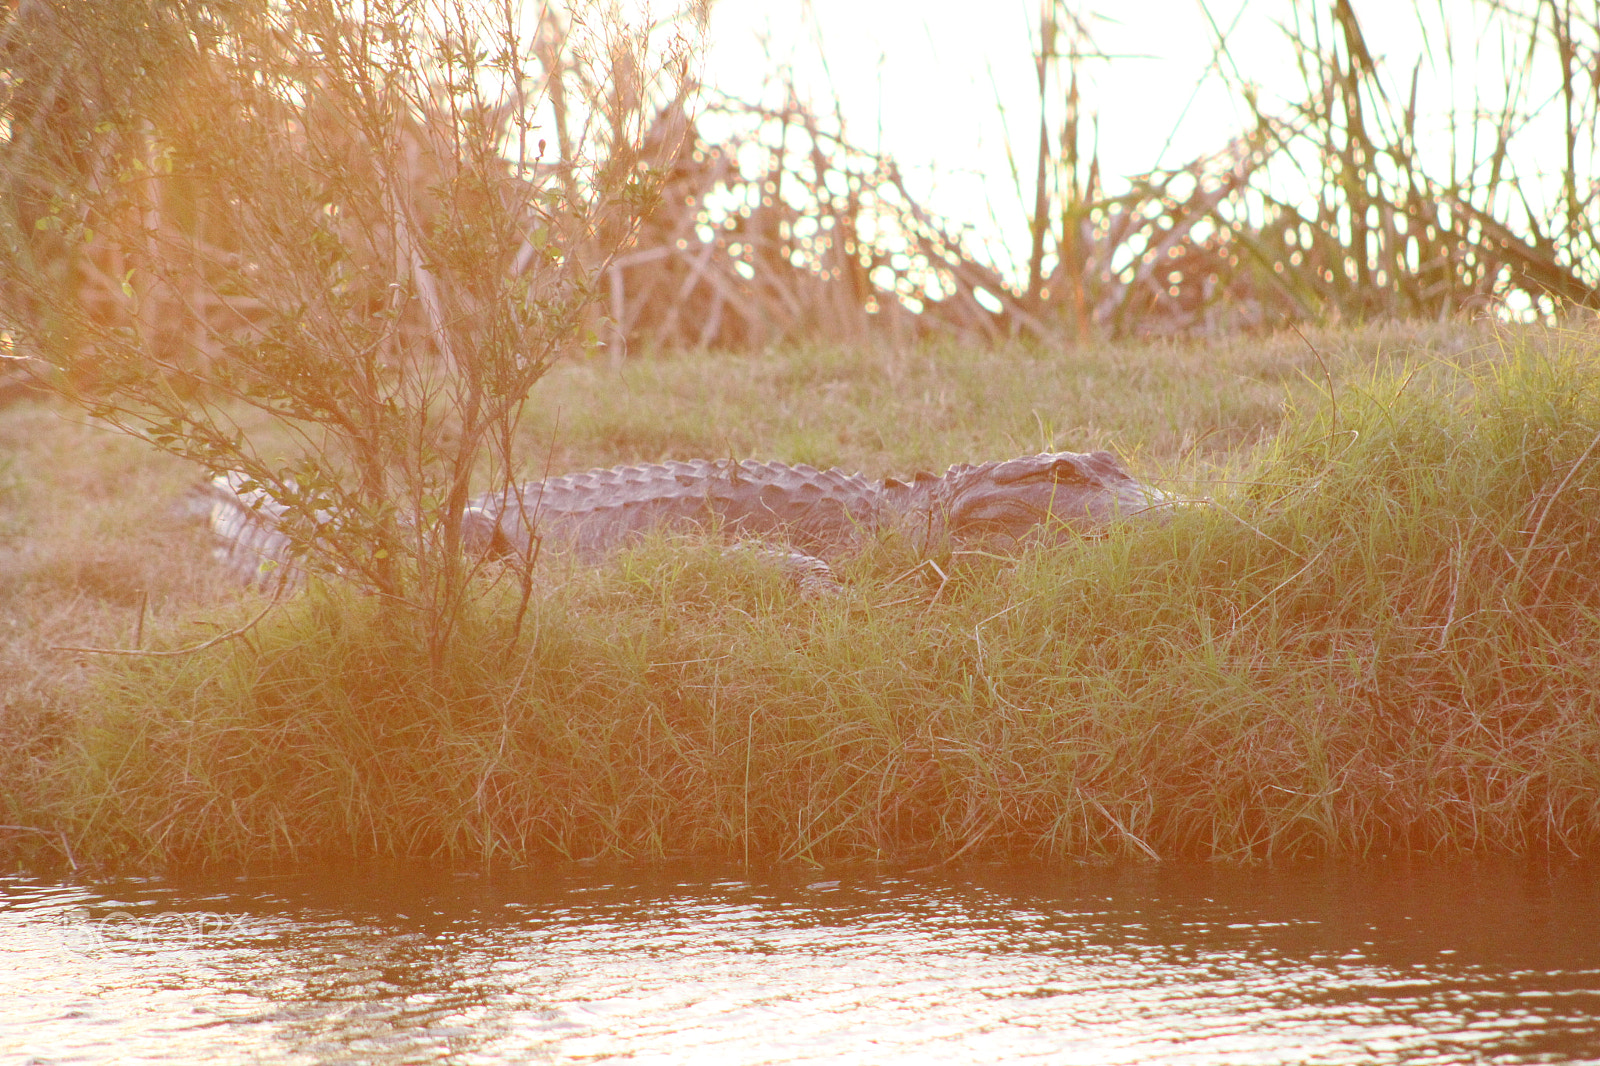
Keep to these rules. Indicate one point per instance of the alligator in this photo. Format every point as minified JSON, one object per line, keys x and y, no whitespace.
{"x":804,"y":515}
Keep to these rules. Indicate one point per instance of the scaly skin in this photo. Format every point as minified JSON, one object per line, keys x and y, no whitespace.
{"x":820,"y":512}
{"x":815,"y":513}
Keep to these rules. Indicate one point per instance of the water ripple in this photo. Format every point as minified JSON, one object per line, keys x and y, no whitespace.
{"x":1169,"y":965}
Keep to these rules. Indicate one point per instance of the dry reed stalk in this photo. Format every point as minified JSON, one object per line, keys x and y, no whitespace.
{"x":781,"y":228}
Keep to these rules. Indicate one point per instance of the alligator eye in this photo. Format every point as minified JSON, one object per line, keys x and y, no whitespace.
{"x":1067,"y":470}
{"x":1017,"y":470}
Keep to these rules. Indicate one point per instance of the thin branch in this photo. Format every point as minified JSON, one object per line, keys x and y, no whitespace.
{"x":213,"y":642}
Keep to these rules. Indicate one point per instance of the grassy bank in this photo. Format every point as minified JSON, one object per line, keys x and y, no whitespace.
{"x":1382,"y":637}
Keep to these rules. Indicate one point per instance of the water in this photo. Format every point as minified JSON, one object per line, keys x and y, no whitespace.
{"x":1144,"y":964}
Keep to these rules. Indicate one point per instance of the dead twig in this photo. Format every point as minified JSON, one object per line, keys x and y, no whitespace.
{"x":213,"y":642}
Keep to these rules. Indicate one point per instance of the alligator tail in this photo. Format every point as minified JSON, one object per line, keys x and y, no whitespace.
{"x":250,"y":543}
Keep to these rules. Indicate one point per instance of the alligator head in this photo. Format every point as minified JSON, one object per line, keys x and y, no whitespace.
{"x":1050,"y":494}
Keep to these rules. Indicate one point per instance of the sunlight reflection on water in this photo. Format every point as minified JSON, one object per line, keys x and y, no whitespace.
{"x":1149,"y":964}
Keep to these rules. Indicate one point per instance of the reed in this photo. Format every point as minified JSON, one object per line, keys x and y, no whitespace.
{"x":1346,"y":203}
{"x":772,"y":226}
{"x":1369,"y":192}
{"x":1379,"y":637}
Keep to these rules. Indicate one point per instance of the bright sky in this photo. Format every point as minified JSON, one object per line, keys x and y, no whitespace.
{"x":944,"y":89}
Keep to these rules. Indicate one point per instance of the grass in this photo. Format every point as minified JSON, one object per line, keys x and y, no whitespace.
{"x":1382,"y":637}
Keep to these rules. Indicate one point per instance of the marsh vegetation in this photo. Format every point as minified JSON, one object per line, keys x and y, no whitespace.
{"x":375,"y":267}
{"x":1380,"y":636}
